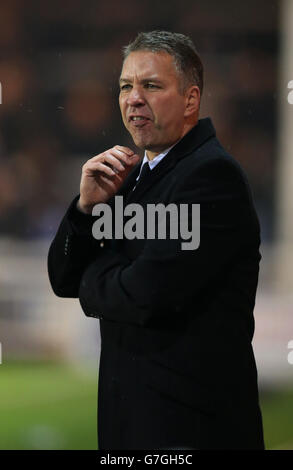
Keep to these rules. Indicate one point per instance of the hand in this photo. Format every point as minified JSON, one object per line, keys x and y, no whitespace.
{"x":103,"y":175}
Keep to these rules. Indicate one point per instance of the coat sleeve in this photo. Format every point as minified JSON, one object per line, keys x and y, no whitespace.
{"x":164,"y":279}
{"x":71,"y":251}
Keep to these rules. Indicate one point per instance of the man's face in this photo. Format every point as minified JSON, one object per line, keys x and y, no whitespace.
{"x":151,"y":104}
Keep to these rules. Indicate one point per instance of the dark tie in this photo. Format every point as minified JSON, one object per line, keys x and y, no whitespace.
{"x":145,"y":172}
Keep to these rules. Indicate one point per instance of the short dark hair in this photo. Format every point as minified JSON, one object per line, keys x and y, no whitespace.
{"x":187,"y":61}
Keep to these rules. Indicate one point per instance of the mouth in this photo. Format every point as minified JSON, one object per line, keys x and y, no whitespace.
{"x":138,"y":121}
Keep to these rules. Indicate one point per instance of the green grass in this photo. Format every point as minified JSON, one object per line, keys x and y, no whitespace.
{"x":47,"y":406}
{"x":54,"y":406}
{"x":277,"y":410}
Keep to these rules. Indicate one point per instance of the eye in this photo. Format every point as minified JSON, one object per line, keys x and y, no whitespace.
{"x":125,"y":87}
{"x":151,"y":85}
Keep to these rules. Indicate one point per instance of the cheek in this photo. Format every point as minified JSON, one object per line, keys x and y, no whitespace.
{"x":168,"y":111}
{"x":121,"y":106}
{"x":176,"y":114}
{"x":123,"y":114}
{"x":170,"y":117}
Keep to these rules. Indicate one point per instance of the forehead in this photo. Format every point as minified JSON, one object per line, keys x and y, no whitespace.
{"x":145,"y":64}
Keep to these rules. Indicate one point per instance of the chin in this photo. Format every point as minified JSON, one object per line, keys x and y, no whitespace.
{"x":141,"y":144}
{"x":141,"y":141}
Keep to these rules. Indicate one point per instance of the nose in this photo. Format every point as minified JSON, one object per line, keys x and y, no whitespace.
{"x":135,"y":97}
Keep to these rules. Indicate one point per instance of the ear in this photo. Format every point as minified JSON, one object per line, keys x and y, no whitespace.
{"x":192,"y":101}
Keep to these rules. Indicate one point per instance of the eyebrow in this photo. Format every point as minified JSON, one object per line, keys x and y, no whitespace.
{"x":144,"y":80}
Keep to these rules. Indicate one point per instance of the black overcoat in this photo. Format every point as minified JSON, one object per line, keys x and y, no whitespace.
{"x":177,"y":368}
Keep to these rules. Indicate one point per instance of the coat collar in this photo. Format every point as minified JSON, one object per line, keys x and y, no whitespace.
{"x":199,"y":134}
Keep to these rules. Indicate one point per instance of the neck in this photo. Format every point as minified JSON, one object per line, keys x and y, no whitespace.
{"x":151,"y":155}
{"x":187,"y":127}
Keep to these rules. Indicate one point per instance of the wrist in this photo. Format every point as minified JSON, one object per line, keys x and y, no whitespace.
{"x":85,"y":209}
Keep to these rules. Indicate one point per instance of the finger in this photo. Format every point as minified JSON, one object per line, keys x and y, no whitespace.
{"x":135,"y":158}
{"x":122,"y":156}
{"x":108,"y":182}
{"x":111,"y":182}
{"x":92,"y":168}
{"x":115,"y":161}
{"x":121,"y":159}
{"x":126,"y":150}
{"x":122,"y":151}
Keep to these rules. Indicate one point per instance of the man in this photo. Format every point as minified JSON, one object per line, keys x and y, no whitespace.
{"x":177,"y":368}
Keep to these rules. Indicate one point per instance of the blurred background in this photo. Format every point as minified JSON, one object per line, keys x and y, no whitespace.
{"x":59,"y":69}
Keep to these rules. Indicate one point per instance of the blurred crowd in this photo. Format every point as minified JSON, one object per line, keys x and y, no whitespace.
{"x":59,"y":69}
